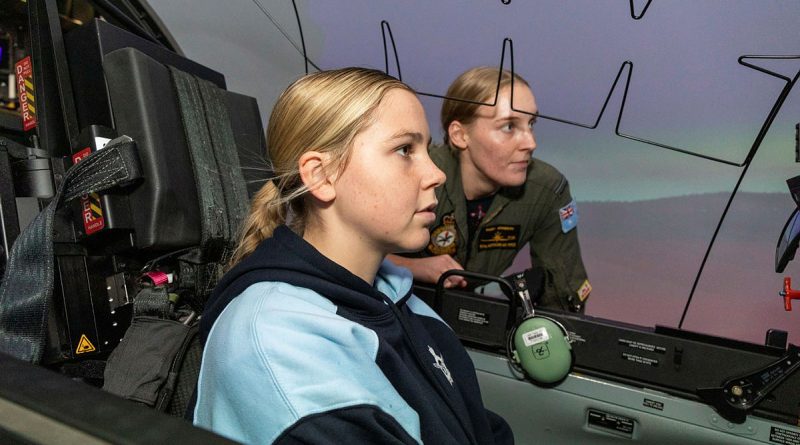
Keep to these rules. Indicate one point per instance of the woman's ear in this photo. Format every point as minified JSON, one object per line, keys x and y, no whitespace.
{"x":457,"y":134}
{"x":312,"y":172}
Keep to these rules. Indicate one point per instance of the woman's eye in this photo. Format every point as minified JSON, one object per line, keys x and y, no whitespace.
{"x":508,"y":127}
{"x":404,"y":151}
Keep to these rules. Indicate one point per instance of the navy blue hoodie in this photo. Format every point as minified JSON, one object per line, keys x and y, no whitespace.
{"x":300,"y":350}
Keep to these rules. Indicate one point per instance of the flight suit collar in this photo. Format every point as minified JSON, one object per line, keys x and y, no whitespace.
{"x":453,"y":192}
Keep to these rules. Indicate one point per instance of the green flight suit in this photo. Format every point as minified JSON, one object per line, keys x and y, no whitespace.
{"x":532,"y":213}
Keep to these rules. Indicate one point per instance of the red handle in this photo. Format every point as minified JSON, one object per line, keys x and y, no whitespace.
{"x":788,"y":293}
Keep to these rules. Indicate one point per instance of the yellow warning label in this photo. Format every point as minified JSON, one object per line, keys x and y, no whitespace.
{"x":84,"y":345}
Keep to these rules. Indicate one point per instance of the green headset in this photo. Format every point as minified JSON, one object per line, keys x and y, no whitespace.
{"x":538,"y":345}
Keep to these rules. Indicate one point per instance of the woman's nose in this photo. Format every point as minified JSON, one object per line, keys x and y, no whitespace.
{"x":528,"y":140}
{"x":434,"y":177}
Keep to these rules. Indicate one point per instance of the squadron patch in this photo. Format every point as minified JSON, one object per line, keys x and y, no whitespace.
{"x":569,"y":216}
{"x":498,"y":237}
{"x":443,"y":237}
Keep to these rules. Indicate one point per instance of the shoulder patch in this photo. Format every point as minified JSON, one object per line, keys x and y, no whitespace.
{"x":568,"y":216}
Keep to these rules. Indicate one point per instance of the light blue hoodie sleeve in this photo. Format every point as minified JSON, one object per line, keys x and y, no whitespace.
{"x":279,"y":353}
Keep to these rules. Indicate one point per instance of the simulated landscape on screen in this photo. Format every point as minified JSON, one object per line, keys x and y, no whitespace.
{"x":647,"y":213}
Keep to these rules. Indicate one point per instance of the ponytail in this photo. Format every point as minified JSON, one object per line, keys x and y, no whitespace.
{"x":267,"y":212}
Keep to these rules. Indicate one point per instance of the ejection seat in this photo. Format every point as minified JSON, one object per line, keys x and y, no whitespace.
{"x":131,"y":268}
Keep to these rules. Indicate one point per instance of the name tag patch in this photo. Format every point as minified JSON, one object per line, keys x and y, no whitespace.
{"x":498,"y":237}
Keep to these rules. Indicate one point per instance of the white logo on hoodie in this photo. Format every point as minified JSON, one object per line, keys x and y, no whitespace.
{"x":439,"y":363}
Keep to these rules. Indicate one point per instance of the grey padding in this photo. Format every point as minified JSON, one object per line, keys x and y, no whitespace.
{"x":221,"y":189}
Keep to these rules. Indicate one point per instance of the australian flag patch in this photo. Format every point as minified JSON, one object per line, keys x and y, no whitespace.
{"x":569,"y":216}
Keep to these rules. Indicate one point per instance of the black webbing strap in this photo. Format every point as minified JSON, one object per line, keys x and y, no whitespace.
{"x":214,"y":159}
{"x":27,"y":286}
{"x":152,"y":302}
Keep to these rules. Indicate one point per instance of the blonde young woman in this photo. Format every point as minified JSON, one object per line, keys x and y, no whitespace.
{"x":312,"y":337}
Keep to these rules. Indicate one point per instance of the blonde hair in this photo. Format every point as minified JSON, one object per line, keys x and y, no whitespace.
{"x":323,"y":112}
{"x":477,"y":85}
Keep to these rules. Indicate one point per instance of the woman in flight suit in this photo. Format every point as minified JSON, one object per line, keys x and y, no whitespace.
{"x":497,"y":198}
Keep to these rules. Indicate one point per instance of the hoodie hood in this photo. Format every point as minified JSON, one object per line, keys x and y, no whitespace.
{"x":288,"y":258}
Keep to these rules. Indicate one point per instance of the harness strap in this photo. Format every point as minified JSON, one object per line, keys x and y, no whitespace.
{"x":27,"y":286}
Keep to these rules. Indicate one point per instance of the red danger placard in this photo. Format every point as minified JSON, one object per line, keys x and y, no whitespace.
{"x":91,"y":211}
{"x":27,"y":99}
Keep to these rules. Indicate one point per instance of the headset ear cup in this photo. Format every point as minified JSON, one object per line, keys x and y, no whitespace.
{"x":543,"y":350}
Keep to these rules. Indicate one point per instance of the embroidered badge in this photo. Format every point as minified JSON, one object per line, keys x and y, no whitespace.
{"x":439,"y":364}
{"x":498,"y":237}
{"x":443,"y":237}
{"x":569,"y":216}
{"x":584,"y":290}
